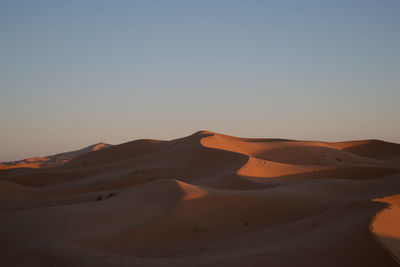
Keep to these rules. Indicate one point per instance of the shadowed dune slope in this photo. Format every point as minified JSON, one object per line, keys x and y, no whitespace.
{"x":207,"y":200}
{"x":375,"y":149}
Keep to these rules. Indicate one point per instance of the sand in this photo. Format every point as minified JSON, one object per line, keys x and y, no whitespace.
{"x":52,"y":160}
{"x":386,"y":224}
{"x":207,"y":200}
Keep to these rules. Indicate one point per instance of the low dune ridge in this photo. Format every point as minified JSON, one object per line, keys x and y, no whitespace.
{"x":52,"y":160}
{"x":207,"y":199}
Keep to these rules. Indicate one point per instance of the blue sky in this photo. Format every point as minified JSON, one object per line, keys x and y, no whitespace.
{"x":73,"y":73}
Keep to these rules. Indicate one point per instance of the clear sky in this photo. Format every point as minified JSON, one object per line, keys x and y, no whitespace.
{"x":73,"y":73}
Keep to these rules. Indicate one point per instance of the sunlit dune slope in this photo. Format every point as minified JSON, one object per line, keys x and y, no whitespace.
{"x":386,"y":225}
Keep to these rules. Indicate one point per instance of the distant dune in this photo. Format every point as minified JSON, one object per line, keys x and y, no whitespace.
{"x":51,"y":161}
{"x":205,"y":200}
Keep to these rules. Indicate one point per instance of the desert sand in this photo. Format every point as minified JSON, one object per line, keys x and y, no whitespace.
{"x":206,"y":200}
{"x":52,"y":160}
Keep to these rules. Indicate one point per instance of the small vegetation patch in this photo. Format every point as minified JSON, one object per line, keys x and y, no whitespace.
{"x":113,"y":194}
{"x":197,"y":229}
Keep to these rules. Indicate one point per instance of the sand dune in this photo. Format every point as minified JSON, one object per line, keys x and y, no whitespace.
{"x":51,"y":161}
{"x":386,"y":225}
{"x":206,"y":200}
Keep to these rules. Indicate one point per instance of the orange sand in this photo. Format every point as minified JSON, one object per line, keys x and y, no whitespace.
{"x":206,"y":200}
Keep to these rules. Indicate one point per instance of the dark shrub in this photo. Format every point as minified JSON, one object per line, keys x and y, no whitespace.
{"x":113,"y":194}
{"x":196,"y":229}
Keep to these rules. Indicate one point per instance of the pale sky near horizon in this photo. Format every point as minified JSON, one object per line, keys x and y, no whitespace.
{"x":74,"y":73}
